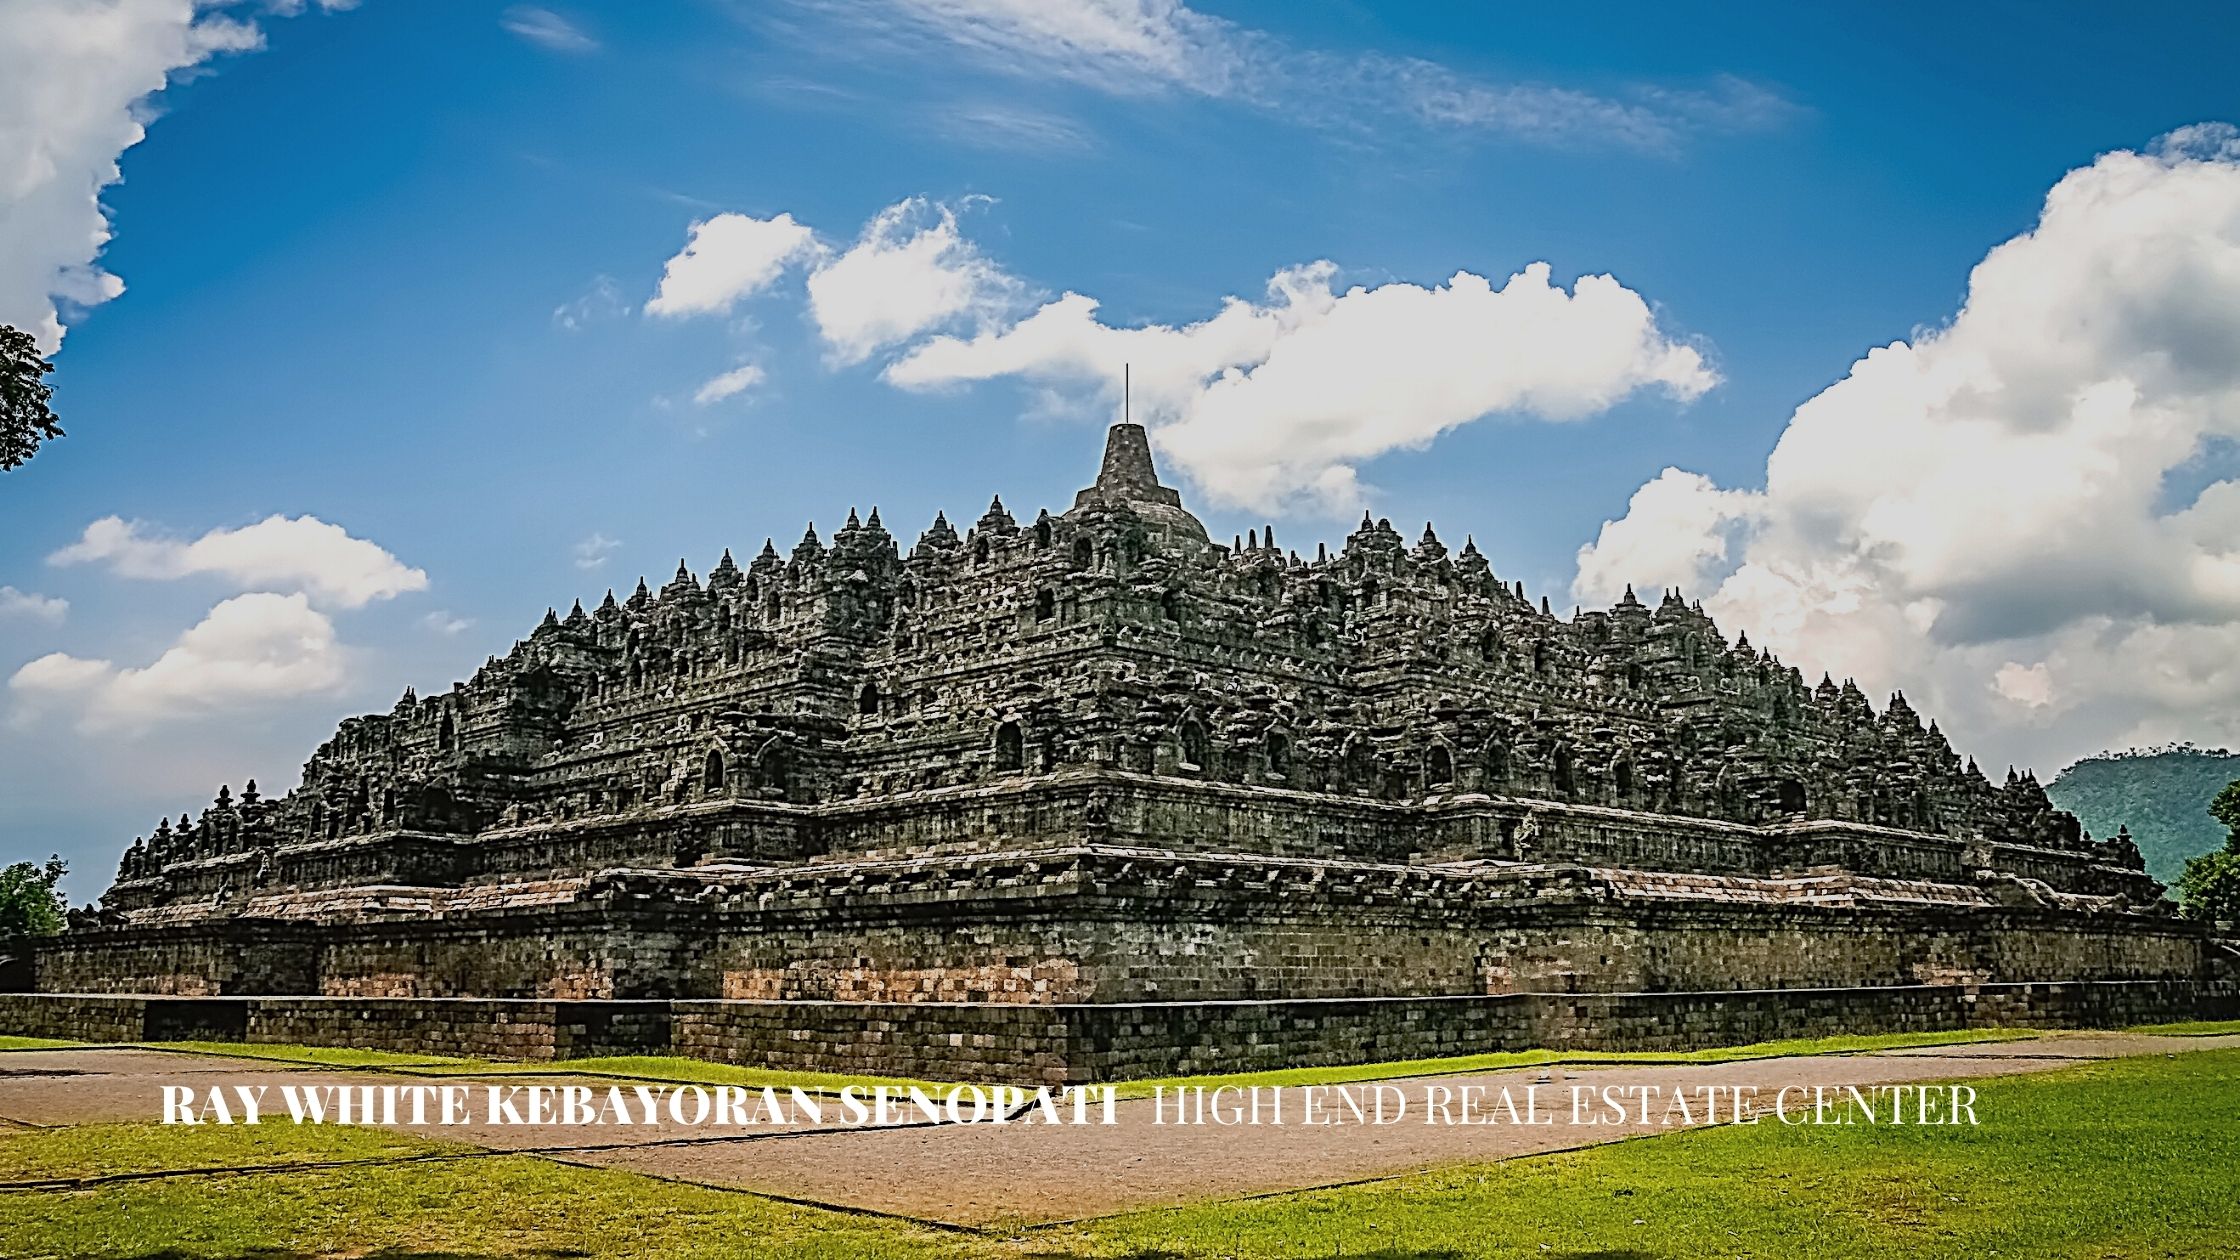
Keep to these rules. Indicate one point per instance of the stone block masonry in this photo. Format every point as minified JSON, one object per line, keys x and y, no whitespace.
{"x":1082,"y":1043}
{"x":1093,"y":795}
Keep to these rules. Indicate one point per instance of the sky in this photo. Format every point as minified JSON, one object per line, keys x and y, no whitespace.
{"x":1905,"y":337}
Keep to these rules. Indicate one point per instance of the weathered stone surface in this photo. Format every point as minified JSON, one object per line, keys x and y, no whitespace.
{"x":1084,"y":1042}
{"x":1099,"y":759}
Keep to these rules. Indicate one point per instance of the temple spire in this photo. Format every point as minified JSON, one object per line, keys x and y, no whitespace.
{"x":1127,"y":479}
{"x":1127,"y":461}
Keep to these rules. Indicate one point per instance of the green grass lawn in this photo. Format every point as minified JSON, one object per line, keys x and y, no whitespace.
{"x":106,"y":1150}
{"x":34,"y":1043}
{"x":502,"y":1206}
{"x":643,"y":1067}
{"x":2129,"y":1158}
{"x":318,"y":1056}
{"x":673,"y":1069}
{"x":2192,"y":1028}
{"x":1504,"y":1060}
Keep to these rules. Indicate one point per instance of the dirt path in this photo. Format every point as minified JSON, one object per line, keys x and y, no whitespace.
{"x":983,"y":1174}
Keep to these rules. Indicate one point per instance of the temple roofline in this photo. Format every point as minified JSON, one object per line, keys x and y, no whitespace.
{"x":1128,"y":478}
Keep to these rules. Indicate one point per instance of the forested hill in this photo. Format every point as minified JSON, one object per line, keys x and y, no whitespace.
{"x":2162,"y":794}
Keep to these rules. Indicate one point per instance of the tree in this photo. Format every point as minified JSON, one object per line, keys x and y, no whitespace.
{"x":2210,"y":888}
{"x":25,"y":419}
{"x":30,"y":902}
{"x":2226,"y":808}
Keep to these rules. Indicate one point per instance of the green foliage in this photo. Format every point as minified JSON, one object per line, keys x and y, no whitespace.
{"x":2162,"y":794}
{"x":25,"y":419}
{"x":2210,"y":887}
{"x":2226,"y":808}
{"x":30,"y":902}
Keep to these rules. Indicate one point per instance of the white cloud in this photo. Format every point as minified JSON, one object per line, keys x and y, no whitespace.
{"x":2001,"y":515}
{"x":1122,"y":46}
{"x":1267,"y":403}
{"x":442,"y":622}
{"x":1263,"y":404}
{"x":2028,"y":685}
{"x":592,"y":552}
{"x":75,"y":81}
{"x":1677,"y":527}
{"x":1137,"y":48}
{"x":547,"y":30}
{"x":32,"y":606}
{"x":736,"y":381}
{"x":911,"y":271}
{"x":1011,"y":128}
{"x":602,"y":299}
{"x":729,"y":258}
{"x":299,"y":553}
{"x":251,"y":650}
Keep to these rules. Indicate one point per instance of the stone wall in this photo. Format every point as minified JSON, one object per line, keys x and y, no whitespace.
{"x":1109,"y":806}
{"x":97,"y":1018}
{"x":1704,"y":944}
{"x":1121,"y":925}
{"x":1086,"y":1042}
{"x":207,"y":960}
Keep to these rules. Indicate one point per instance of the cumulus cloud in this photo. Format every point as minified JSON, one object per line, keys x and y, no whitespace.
{"x":30,"y":606}
{"x":279,"y":552}
{"x":1267,"y":403}
{"x":75,"y":81}
{"x":547,"y":30}
{"x":1139,"y":48}
{"x":1676,"y":527}
{"x":251,"y":650}
{"x":2031,"y":514}
{"x":593,"y":551}
{"x":910,"y":271}
{"x":729,"y":258}
{"x":736,"y":381}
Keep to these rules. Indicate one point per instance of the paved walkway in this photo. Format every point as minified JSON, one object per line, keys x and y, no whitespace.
{"x":983,"y":1174}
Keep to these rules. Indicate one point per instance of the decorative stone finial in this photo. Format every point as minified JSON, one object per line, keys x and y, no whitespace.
{"x":1127,"y":461}
{"x":1128,"y":479}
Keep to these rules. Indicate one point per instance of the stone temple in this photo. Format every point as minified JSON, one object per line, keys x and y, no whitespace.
{"x":1090,"y":796}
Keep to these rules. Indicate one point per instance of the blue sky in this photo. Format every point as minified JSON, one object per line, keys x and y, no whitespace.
{"x":389,"y":270}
